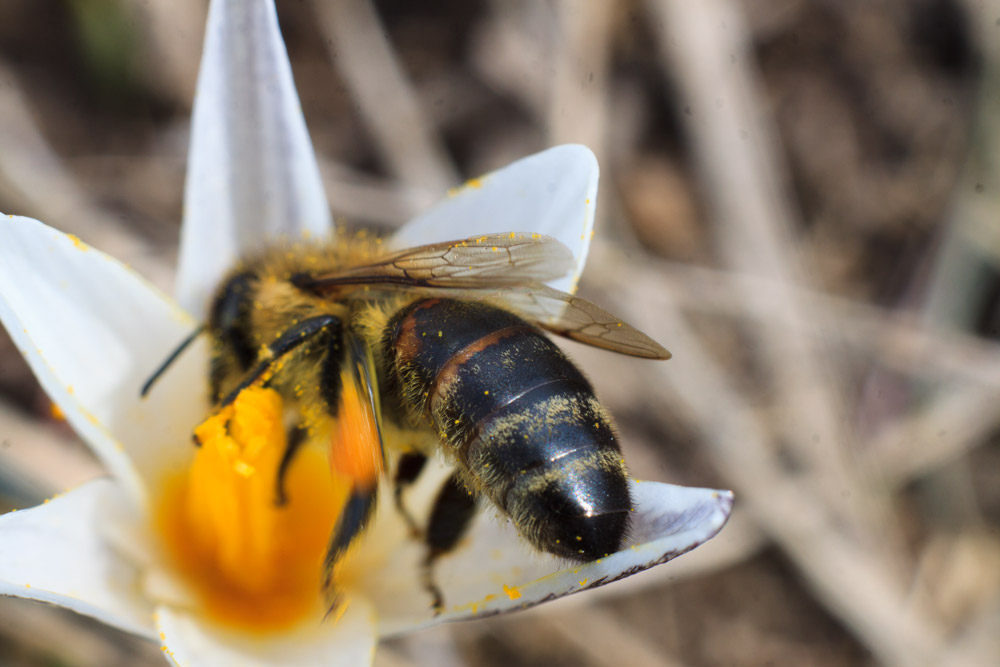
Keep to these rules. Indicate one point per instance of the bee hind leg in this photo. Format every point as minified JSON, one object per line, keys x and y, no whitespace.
{"x":450,"y":518}
{"x":408,"y":469}
{"x":354,"y":519}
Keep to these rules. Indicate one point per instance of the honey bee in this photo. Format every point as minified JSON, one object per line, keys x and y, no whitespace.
{"x":445,"y":345}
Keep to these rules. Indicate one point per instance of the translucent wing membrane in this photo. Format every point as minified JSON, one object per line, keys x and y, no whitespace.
{"x":515,"y":264}
{"x":490,"y":260}
{"x":553,"y":192}
{"x":582,"y":321}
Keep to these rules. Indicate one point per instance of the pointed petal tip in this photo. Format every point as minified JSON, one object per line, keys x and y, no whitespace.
{"x":252,"y":173}
{"x":580,"y":152}
{"x":726,"y":501}
{"x":496,"y":571}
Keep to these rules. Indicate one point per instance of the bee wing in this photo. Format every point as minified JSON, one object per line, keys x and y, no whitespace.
{"x":580,"y":320}
{"x":480,"y":262}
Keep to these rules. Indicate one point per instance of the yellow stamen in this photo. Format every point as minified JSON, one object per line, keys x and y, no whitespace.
{"x":254,"y":562}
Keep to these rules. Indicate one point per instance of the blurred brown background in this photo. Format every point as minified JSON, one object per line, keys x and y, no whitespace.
{"x":799,"y":198}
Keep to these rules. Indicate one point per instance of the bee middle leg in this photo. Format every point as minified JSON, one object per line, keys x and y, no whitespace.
{"x":452,"y":514}
{"x":354,"y":518}
{"x":296,"y":438}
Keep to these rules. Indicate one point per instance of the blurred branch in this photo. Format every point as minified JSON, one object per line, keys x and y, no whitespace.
{"x":894,"y":339}
{"x":386,"y":656}
{"x":406,"y":139}
{"x":430,"y":646}
{"x":46,"y":460}
{"x":508,"y":57}
{"x":706,"y":48}
{"x":619,"y":644}
{"x":950,"y":420}
{"x":82,"y":642}
{"x":360,"y":196}
{"x":848,"y":579}
{"x":172,"y":32}
{"x":578,"y":102}
{"x":970,"y":247}
{"x":32,"y":173}
{"x":953,"y":422}
{"x":980,"y":639}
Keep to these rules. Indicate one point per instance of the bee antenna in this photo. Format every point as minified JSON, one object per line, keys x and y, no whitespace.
{"x":170,"y":360}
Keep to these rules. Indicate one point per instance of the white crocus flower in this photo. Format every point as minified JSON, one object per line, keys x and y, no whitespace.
{"x":93,"y":330}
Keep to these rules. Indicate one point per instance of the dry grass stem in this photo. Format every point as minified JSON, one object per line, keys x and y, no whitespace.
{"x":407,"y":141}
{"x":33,"y":175}
{"x":708,"y":49}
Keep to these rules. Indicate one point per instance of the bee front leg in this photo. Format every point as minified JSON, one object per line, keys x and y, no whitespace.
{"x":331,"y":387}
{"x":290,"y":340}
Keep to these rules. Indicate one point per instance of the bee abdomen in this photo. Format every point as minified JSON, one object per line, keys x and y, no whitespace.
{"x":521,"y":420}
{"x":567,"y":491}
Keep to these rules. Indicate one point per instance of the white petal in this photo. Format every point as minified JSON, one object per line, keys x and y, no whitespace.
{"x":56,"y":553}
{"x":93,"y":331}
{"x":494,"y":570}
{"x":252,"y":174}
{"x":553,"y":192}
{"x":191,"y":642}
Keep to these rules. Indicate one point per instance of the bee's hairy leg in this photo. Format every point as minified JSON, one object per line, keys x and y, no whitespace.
{"x":289,"y":341}
{"x":355,"y":517}
{"x":410,"y":465}
{"x":296,"y":438}
{"x":452,"y":514}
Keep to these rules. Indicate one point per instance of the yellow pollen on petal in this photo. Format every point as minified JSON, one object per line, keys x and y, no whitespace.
{"x":254,"y":561}
{"x":77,"y":243}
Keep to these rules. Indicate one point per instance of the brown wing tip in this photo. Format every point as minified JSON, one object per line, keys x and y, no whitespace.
{"x":652,"y":349}
{"x":655,"y":352}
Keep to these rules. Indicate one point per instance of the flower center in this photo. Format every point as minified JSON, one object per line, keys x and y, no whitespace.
{"x":248,"y":535}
